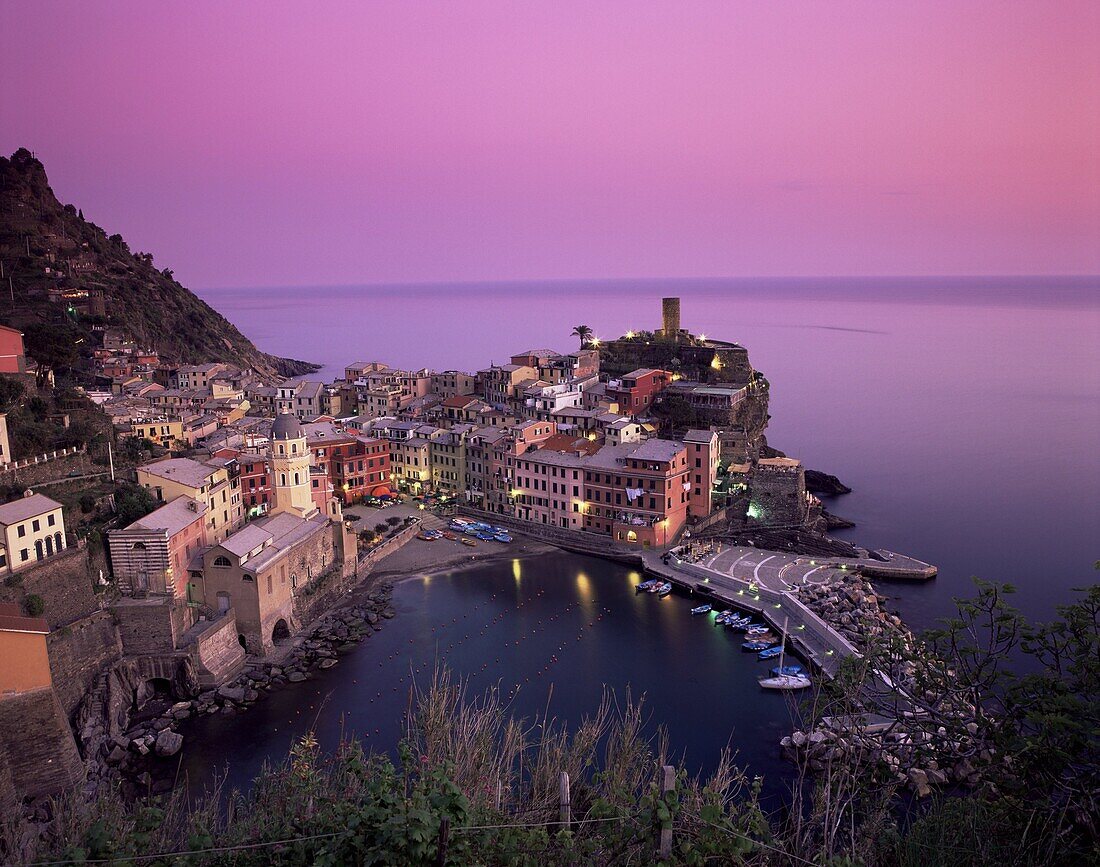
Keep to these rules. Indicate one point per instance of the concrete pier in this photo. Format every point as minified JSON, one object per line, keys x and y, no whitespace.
{"x":810,"y":637}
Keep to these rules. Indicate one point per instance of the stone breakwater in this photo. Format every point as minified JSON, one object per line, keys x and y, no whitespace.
{"x":910,"y":726}
{"x":134,"y":754}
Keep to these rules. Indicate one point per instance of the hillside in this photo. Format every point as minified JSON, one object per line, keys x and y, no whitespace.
{"x":63,"y":267}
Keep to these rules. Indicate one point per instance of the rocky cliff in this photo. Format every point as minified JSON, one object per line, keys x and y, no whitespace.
{"x":67,"y":271}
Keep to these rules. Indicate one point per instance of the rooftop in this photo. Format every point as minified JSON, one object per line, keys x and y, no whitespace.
{"x":185,"y":471}
{"x":26,"y":507}
{"x":12,"y":619}
{"x":171,"y":517}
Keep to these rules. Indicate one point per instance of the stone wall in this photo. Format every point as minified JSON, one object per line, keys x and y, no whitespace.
{"x":64,"y":583}
{"x":9,"y":798}
{"x":38,"y":746}
{"x":50,"y":467}
{"x":79,"y":653}
{"x":217,"y":653}
{"x":152,"y":625}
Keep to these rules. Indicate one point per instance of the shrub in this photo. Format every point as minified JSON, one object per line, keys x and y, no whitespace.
{"x":34,"y":605}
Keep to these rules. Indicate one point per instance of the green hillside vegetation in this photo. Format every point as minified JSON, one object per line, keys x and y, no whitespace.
{"x":474,"y":785}
{"x":45,"y":245}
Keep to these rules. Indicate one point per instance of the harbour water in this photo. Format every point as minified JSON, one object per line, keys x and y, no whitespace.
{"x":963,"y":413}
{"x":554,"y":631}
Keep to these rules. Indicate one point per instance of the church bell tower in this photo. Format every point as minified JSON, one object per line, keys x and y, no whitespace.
{"x":290,"y":468}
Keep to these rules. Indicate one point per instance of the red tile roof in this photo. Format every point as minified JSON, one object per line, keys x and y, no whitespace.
{"x":13,"y":620}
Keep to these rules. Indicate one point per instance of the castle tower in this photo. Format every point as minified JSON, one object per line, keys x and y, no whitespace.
{"x":290,"y":468}
{"x":670,"y":317}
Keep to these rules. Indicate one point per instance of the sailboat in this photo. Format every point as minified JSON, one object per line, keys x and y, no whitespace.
{"x":785,"y":681}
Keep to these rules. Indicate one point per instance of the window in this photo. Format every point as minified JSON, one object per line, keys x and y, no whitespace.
{"x":223,"y":563}
{"x":36,"y":525}
{"x":50,"y":520}
{"x":24,"y":555}
{"x":22,"y":530}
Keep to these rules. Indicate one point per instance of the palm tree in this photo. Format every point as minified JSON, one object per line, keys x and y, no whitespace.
{"x":584,"y":333}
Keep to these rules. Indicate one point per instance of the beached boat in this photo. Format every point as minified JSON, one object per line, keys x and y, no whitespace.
{"x":468,"y":541}
{"x":502,"y":537}
{"x":645,"y":586}
{"x":449,"y":536}
{"x":701,"y":609}
{"x":664,"y":589}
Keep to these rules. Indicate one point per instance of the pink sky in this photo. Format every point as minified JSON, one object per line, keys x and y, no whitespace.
{"x":276,"y":143}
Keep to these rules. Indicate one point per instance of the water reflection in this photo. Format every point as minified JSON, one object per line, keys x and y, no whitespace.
{"x":554,"y":647}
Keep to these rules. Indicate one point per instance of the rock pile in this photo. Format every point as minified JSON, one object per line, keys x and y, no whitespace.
{"x":852,"y":607}
{"x":912,"y":731}
{"x":913,"y":758}
{"x":338,"y":632}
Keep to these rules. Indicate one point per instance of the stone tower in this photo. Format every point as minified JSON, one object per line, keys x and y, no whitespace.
{"x":290,"y":468}
{"x":670,"y":317}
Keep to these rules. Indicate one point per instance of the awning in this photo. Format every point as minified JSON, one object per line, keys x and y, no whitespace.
{"x":380,"y":491}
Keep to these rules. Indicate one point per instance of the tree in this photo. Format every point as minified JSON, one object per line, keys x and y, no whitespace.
{"x":133,"y":502}
{"x":583,"y":333}
{"x":10,"y":393}
{"x":52,"y":346}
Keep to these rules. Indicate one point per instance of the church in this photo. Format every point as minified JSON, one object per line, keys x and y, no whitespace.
{"x":264,"y":570}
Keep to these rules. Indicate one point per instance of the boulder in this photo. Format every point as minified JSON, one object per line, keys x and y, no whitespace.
{"x":295,"y":676}
{"x":918,"y":782}
{"x":169,"y":743}
{"x":232,"y":693}
{"x":327,"y":663}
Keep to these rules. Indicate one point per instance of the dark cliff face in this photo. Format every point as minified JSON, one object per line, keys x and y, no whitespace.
{"x":46,"y":246}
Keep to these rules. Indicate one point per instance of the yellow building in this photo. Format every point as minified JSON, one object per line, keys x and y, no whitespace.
{"x":165,"y":432}
{"x":32,"y":528}
{"x":290,"y":468}
{"x":215,"y":482}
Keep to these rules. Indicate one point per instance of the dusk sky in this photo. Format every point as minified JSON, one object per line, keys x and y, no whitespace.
{"x":313,"y":143}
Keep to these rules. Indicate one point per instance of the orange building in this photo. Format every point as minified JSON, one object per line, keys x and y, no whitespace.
{"x":26,"y":662}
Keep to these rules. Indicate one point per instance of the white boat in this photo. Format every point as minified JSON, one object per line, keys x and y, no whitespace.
{"x":785,"y":682}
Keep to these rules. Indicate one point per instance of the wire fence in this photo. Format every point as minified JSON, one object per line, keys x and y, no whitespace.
{"x":565,"y":822}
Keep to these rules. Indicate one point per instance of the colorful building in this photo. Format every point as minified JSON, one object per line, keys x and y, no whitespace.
{"x":32,"y":528}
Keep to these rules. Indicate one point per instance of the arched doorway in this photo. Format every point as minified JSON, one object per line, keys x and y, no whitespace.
{"x":281,"y":632}
{"x":241,"y":641}
{"x":631,"y":536}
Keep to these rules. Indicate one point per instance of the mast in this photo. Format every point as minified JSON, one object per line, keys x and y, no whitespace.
{"x":783,"y":645}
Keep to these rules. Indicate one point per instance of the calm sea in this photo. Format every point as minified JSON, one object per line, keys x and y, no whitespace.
{"x":964,"y":413}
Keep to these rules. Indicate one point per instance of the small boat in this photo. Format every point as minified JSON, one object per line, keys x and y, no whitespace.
{"x":427,"y":536}
{"x":645,"y":586}
{"x":755,"y":646}
{"x":468,"y":541}
{"x":786,"y":682}
{"x":771,"y":652}
{"x":756,"y":629}
{"x":449,"y":536}
{"x":471,"y":531}
{"x":664,"y":589}
{"x":701,"y":609}
{"x":722,"y":618}
{"x":786,"y":670}
{"x":781,"y":681}
{"x":502,"y":537}
{"x":484,"y":536}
